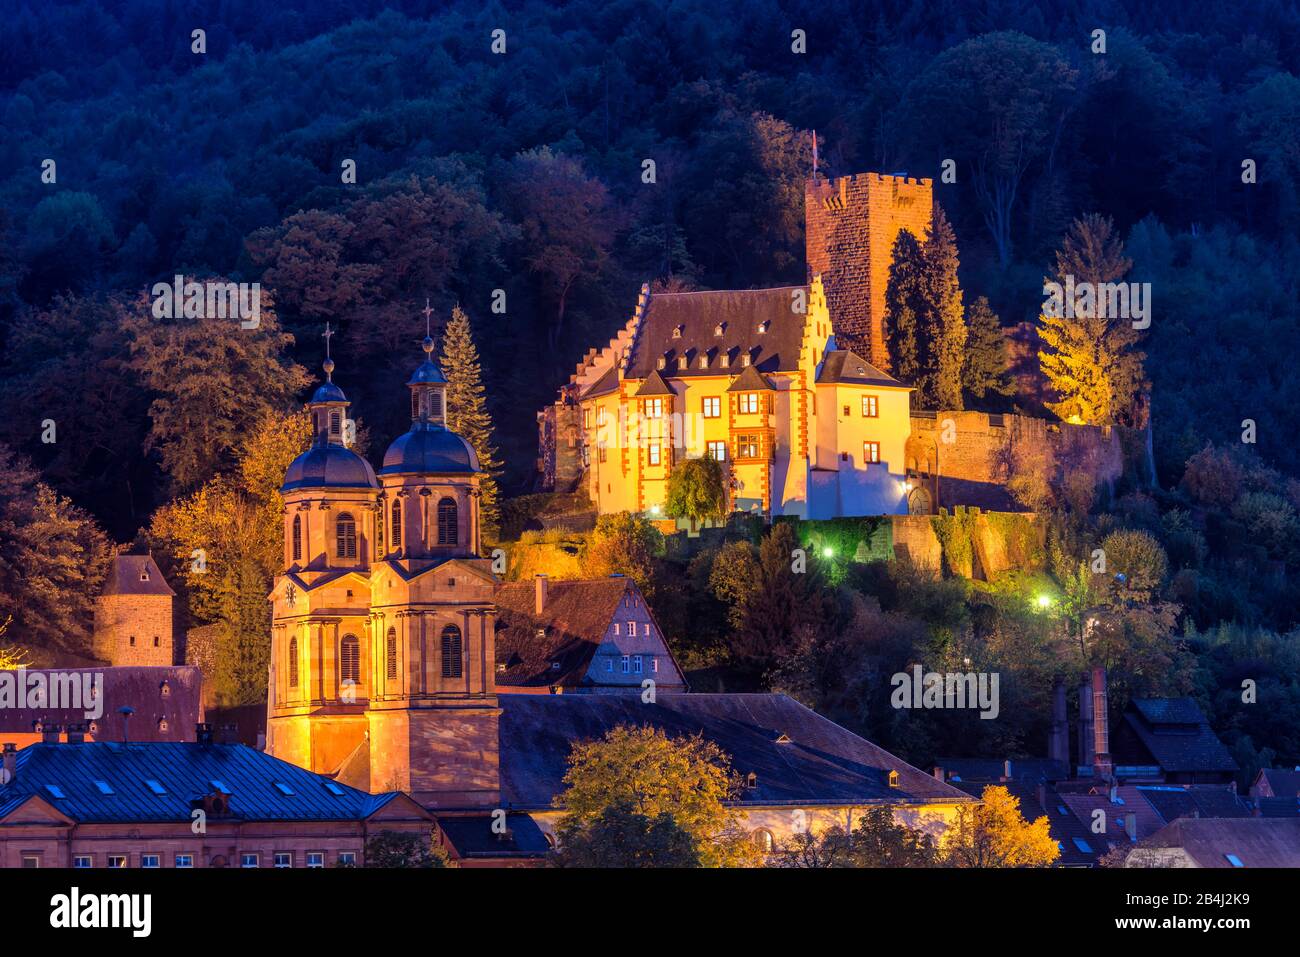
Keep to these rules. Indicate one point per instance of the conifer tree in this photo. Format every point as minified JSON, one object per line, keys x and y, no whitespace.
{"x":903,"y":305}
{"x":986,"y":367}
{"x":1090,"y":360}
{"x":943,"y":326}
{"x":467,"y":413}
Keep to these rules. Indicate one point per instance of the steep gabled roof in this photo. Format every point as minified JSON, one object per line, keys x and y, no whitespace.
{"x":820,"y":764}
{"x":654,"y":385}
{"x":1177,"y":736}
{"x":1284,"y":783}
{"x":1255,"y":842}
{"x":124,"y":577}
{"x":156,"y":694}
{"x":604,"y":385}
{"x":695,"y":317}
{"x":751,"y":380}
{"x":261,"y":788}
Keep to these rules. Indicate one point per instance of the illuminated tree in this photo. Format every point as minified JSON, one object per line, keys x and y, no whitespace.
{"x":623,"y":544}
{"x":645,"y":772}
{"x":467,"y":413}
{"x":696,"y":491}
{"x":995,"y":834}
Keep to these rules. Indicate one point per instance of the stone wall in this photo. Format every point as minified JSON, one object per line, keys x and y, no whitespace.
{"x":967,"y":454}
{"x":127,"y":627}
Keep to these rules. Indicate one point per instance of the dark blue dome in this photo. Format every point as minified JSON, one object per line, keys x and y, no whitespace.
{"x":429,"y":450}
{"x":427,"y":372}
{"x":329,"y":466}
{"x":329,"y":392}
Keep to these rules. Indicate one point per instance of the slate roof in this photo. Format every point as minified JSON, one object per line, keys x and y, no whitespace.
{"x":124,"y":577}
{"x":472,"y":836}
{"x":822,"y":763}
{"x":604,"y":385}
{"x":136,"y":686}
{"x":1130,"y":801}
{"x":1062,"y":825}
{"x":654,"y":385}
{"x":572,"y":626}
{"x":991,"y":770}
{"x":1172,"y":803}
{"x":1278,"y":807}
{"x":186,"y":772}
{"x":846,"y":366}
{"x":1282,"y":782}
{"x":1177,"y":736}
{"x":1256,"y":842}
{"x":698,"y":314}
{"x":751,"y":380}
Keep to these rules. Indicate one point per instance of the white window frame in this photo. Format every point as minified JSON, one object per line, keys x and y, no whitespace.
{"x":245,"y":858}
{"x":627,"y":664}
{"x":870,"y":407}
{"x":868,"y":448}
{"x":156,"y":858}
{"x":717,"y":451}
{"x":279,"y":854}
{"x":185,"y":860}
{"x":655,"y":456}
{"x":748,"y":403}
{"x":712,"y":407}
{"x":320,"y":859}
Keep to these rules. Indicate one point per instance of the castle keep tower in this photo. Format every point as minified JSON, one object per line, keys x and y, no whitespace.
{"x":133,"y":615}
{"x":850,"y":227}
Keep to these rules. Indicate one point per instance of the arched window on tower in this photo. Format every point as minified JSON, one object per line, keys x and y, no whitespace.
{"x":448,"y":522}
{"x":390,"y":654}
{"x":346,"y":533}
{"x":293,"y":662}
{"x":297,"y":538}
{"x":350,"y":659}
{"x":451,"y":652}
{"x":396,"y":524}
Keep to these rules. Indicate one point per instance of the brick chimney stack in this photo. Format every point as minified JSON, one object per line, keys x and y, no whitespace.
{"x":1102,"y":768}
{"x":539,"y":594}
{"x":10,"y":762}
{"x":50,"y":733}
{"x":1085,"y":724}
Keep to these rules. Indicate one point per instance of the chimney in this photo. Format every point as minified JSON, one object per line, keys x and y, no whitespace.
{"x":1085,"y":724}
{"x":50,"y":733}
{"x":938,"y":773}
{"x":203,"y":733}
{"x":11,"y":762}
{"x":1006,"y":770}
{"x":539,"y":594}
{"x":230,"y":734}
{"x":76,"y":734}
{"x":1058,"y":740}
{"x":1042,"y":795}
{"x":1102,"y":768}
{"x":1131,"y":826}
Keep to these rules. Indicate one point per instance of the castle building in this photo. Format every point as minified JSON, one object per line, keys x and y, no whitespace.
{"x":133,"y":614}
{"x":385,"y":660}
{"x":785,"y":387}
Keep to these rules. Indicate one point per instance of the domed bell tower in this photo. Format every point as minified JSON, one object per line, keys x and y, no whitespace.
{"x":433,"y":712}
{"x":318,"y":675}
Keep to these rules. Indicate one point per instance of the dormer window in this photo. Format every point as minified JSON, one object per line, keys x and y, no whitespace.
{"x":726,"y":360}
{"x":663,"y":362}
{"x":704,"y":361}
{"x":745,"y":360}
{"x":144,"y":574}
{"x":893,"y":779}
{"x":751,"y":780}
{"x":165,"y":689}
{"x":717,"y":330}
{"x":677,"y":331}
{"x":762,"y":326}
{"x":681,"y":362}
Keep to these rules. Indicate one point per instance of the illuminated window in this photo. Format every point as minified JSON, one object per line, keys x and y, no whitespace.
{"x":390,"y":654}
{"x":117,"y":860}
{"x":293,"y":662}
{"x":763,"y":838}
{"x":297,"y":538}
{"x":747,"y":447}
{"x":654,"y":408}
{"x":451,"y":652}
{"x":718,"y":451}
{"x":654,"y":453}
{"x":345,"y":533}
{"x":712,"y":406}
{"x":870,"y":452}
{"x":748,"y":402}
{"x":448,"y":522}
{"x":600,"y":415}
{"x":870,"y":408}
{"x":350,"y":658}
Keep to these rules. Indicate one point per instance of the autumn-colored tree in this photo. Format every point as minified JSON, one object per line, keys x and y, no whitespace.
{"x":994,"y":833}
{"x":225,"y":542}
{"x":645,"y":771}
{"x":696,"y":491}
{"x":986,"y":367}
{"x":620,"y":837}
{"x":881,"y":840}
{"x":1139,"y":557}
{"x":10,"y":656}
{"x":53,"y":561}
{"x":212,"y":380}
{"x":1090,"y":359}
{"x":623,"y":544}
{"x":467,"y":413}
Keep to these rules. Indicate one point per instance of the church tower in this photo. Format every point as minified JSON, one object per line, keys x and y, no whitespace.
{"x":320,"y":653}
{"x":432,"y":709}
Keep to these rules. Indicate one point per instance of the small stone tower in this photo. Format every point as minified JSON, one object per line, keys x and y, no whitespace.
{"x":133,"y":616}
{"x":850,"y":227}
